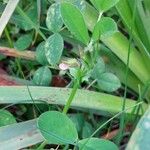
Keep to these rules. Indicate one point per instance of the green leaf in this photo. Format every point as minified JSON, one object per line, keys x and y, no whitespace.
{"x":104,"y":5}
{"x":98,"y":69}
{"x":141,"y":136}
{"x":104,"y":28}
{"x":42,"y":76}
{"x":21,"y":22}
{"x":54,"y":21}
{"x":80,"y":4}
{"x":96,"y":144}
{"x":78,"y":120}
{"x":23,"y":42}
{"x":6,"y":118}
{"x":74,"y":21}
{"x":40,"y":54}
{"x":87,"y":130}
{"x":108,"y":82}
{"x":57,"y":128}
{"x":54,"y":48}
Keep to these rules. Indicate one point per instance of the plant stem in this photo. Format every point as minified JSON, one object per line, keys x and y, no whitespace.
{"x":73,"y":92}
{"x":108,"y":121}
{"x":122,"y":118}
{"x":8,"y":37}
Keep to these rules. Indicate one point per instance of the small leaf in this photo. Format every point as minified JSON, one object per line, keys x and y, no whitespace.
{"x":6,"y":118}
{"x":54,"y":21}
{"x":104,"y":5}
{"x":108,"y":82}
{"x":54,"y":48}
{"x":42,"y":76}
{"x":74,"y":21}
{"x":96,"y":144}
{"x":104,"y":28}
{"x":98,"y":69}
{"x":57,"y":128}
{"x":87,"y":130}
{"x":23,"y":42}
{"x":40,"y":54}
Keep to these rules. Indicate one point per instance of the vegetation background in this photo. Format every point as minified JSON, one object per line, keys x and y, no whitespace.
{"x":75,"y":74}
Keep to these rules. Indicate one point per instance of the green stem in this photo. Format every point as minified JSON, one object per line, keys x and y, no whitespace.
{"x":8,"y":37}
{"x":73,"y":92}
{"x":71,"y":97}
{"x":122,"y":118}
{"x":108,"y":121}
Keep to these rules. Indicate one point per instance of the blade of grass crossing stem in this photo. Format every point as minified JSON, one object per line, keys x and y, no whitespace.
{"x":122,"y":117}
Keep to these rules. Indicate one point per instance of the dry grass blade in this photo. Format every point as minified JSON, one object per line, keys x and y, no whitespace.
{"x":10,"y":7}
{"x":29,"y":55}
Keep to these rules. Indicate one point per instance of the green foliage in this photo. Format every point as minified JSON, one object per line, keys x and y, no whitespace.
{"x":104,"y":28}
{"x":42,"y":76}
{"x":98,"y":69}
{"x":90,"y":32}
{"x":80,"y":4}
{"x":57,"y":128}
{"x":6,"y":118}
{"x":54,"y":48}
{"x":23,"y":42}
{"x":77,"y":26}
{"x":87,"y":130}
{"x":104,"y":5}
{"x":40,"y":54}
{"x":21,"y":22}
{"x":54,"y":21}
{"x":108,"y":82}
{"x":96,"y":144}
{"x":141,"y":135}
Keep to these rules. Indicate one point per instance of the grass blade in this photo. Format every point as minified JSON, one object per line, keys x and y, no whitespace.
{"x":9,"y":9}
{"x":19,"y":135}
{"x":98,"y":103}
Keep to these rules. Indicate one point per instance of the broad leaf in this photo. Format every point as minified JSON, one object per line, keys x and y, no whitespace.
{"x":54,"y":21}
{"x":104,"y":28}
{"x":74,"y":21}
{"x":23,"y":42}
{"x":54,"y":48}
{"x":42,"y":76}
{"x":108,"y":82}
{"x":96,"y":144}
{"x":57,"y":128}
{"x":104,"y":5}
{"x":40,"y":54}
